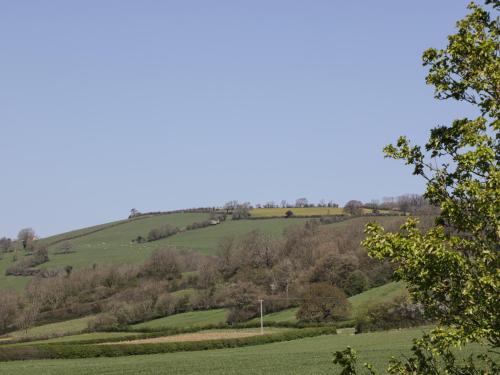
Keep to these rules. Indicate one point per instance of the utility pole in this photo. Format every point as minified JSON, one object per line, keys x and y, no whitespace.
{"x":261,"y":318}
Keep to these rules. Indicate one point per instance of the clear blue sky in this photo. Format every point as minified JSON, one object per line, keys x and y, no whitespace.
{"x":158,"y":105}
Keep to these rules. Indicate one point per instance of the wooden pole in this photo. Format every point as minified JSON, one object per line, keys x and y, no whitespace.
{"x":261,"y":318}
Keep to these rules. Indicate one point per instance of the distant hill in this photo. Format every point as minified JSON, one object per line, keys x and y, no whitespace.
{"x":113,"y":242}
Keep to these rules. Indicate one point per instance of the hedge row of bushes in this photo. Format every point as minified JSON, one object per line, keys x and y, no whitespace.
{"x":73,"y":351}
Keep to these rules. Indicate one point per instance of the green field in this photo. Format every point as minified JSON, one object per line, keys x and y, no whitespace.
{"x":84,"y":336}
{"x":375,"y":295}
{"x":188,"y":319}
{"x":380,"y":294}
{"x":206,"y":239}
{"x":60,"y":328}
{"x":303,"y":356}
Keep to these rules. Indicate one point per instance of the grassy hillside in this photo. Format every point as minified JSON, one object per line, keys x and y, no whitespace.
{"x":304,"y":356}
{"x":60,"y":328}
{"x":112,"y":243}
{"x":380,"y":294}
{"x":375,"y":295}
{"x":207,"y":239}
{"x":188,"y":319}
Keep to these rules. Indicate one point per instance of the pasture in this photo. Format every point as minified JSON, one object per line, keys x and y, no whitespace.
{"x":184,"y":320}
{"x":66,"y":327}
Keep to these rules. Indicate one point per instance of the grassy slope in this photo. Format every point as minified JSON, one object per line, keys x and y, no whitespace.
{"x":85,"y":336}
{"x":189,"y":319}
{"x":376,"y":295}
{"x":60,"y":328}
{"x":207,"y":239}
{"x":379,"y":294}
{"x":304,"y":356}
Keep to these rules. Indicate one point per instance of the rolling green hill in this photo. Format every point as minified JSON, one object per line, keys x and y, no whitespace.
{"x":112,"y":242}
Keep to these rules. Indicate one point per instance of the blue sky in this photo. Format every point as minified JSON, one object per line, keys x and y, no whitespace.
{"x":158,"y":105}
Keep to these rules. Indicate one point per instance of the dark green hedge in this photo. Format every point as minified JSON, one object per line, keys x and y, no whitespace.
{"x":79,"y":350}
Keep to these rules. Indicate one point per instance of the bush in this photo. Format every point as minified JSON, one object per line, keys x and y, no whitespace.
{"x":164,"y":231}
{"x":399,"y":313}
{"x":164,"y":263}
{"x":26,"y":267}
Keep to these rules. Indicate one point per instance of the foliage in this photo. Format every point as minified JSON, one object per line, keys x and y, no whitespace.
{"x":398,"y":313}
{"x":452,"y":269}
{"x":322,"y":303}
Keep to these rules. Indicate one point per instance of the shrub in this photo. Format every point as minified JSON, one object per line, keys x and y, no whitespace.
{"x":163,"y":231}
{"x":398,"y":313}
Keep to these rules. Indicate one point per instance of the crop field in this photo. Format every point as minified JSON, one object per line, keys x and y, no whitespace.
{"x":302,"y":356}
{"x":188,"y":319}
{"x":305,"y":211}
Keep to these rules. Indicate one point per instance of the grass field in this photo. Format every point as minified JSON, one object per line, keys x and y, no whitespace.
{"x":206,"y":239}
{"x":188,"y":319}
{"x":84,"y":336}
{"x":380,"y":294}
{"x":303,"y":356}
{"x":60,"y":328}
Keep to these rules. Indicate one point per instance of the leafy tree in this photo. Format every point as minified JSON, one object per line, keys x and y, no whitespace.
{"x":323,"y":302}
{"x":452,"y":269}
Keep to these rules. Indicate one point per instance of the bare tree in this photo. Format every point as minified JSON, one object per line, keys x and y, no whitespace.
{"x":284,"y":203}
{"x":9,"y":309}
{"x":230,"y":206}
{"x":241,"y":211}
{"x":133,"y":213}
{"x":5,"y":244}
{"x":354,"y":208}
{"x":270,"y":204}
{"x":26,"y":237}
{"x":301,"y":202}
